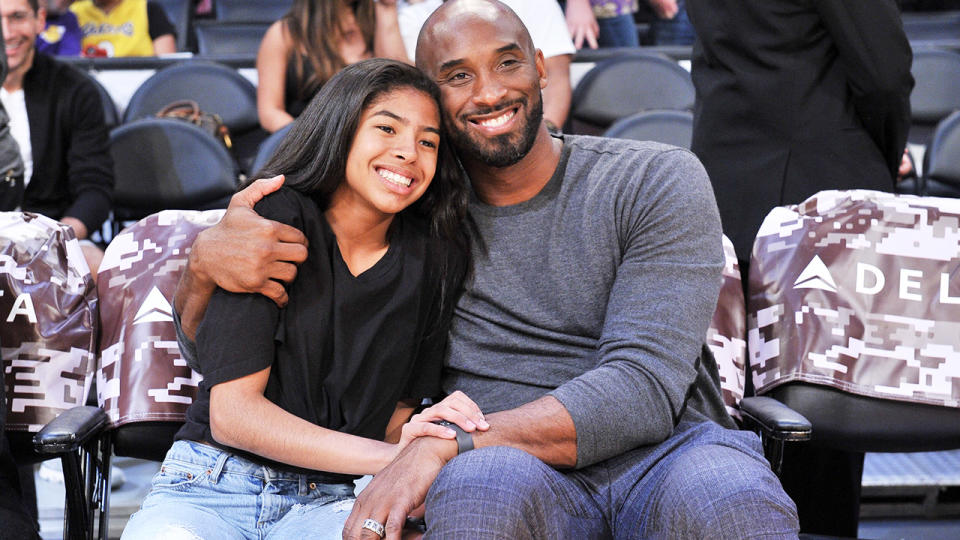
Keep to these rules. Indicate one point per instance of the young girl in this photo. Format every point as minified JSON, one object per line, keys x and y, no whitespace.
{"x":296,"y":402}
{"x":312,"y":42}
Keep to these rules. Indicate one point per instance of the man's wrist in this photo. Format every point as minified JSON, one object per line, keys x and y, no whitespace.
{"x":464,"y":439}
{"x":442,"y":449}
{"x":194,"y":276}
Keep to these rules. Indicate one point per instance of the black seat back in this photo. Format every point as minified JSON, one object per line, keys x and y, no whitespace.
{"x":620,"y":86}
{"x":215,"y":87}
{"x":664,"y":126}
{"x":164,"y":164}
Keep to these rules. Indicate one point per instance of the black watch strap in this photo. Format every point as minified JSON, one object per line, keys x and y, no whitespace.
{"x":464,"y":439}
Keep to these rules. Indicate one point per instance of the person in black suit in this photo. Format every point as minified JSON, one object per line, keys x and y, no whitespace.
{"x":794,"y":97}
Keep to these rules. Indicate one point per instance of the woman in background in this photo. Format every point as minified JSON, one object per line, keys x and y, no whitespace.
{"x":311,"y":43}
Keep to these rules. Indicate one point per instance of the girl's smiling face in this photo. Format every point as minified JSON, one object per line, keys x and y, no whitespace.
{"x":393,"y":156}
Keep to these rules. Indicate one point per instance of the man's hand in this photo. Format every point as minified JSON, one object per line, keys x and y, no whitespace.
{"x":246,"y":253}
{"x":242,"y":253}
{"x":581,"y":23}
{"x":399,"y":488}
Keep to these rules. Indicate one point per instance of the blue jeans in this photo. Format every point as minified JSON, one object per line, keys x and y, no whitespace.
{"x":619,"y":31}
{"x":703,"y":482}
{"x":202,"y":492}
{"x":675,"y":31}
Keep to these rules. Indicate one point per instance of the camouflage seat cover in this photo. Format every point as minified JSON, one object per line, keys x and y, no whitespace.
{"x":48,"y":305}
{"x":859,"y":291}
{"x":727,"y":334}
{"x":142,"y":376}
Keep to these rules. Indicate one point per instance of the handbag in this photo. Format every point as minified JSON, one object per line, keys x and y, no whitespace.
{"x":189,"y":110}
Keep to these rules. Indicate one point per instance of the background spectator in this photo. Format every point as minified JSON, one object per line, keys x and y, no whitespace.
{"x":543,"y":19}
{"x":612,"y":23}
{"x":56,"y":116}
{"x":62,"y":35}
{"x":311,"y":43}
{"x":124,"y":28}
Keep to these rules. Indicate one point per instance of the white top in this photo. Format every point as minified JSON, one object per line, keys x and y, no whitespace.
{"x":16,"y":106}
{"x":543,"y":18}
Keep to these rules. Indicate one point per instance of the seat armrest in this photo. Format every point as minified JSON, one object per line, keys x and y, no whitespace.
{"x":774,"y":419}
{"x":70,"y":430}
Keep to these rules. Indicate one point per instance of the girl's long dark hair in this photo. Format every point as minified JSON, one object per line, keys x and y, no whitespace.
{"x":313,"y":154}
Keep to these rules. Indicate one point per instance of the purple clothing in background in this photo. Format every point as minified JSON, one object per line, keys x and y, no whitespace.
{"x":605,"y":9}
{"x":62,"y":35}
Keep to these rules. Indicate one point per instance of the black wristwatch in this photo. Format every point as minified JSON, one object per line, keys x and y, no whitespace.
{"x":464,"y":439}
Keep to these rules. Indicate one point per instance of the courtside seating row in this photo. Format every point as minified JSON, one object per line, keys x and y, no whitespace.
{"x":122,"y":334}
{"x":851,"y":320}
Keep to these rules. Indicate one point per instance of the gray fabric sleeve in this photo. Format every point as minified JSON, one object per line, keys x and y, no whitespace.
{"x":663,"y":296}
{"x":188,"y":348}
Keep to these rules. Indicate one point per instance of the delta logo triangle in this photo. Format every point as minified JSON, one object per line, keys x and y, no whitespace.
{"x":154,"y":309}
{"x":816,"y":276}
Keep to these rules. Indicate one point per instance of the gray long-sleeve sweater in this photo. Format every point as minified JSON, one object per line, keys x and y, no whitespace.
{"x":598,"y":291}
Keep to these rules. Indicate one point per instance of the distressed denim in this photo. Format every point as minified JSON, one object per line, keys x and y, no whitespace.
{"x":202,"y":492}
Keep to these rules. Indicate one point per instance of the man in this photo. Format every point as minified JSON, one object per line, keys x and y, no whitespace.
{"x":57,"y":119}
{"x":793,"y":99}
{"x":579,"y":332}
{"x":545,"y":22}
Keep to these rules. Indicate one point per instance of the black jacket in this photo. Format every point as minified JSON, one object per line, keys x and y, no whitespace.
{"x":797,"y":96}
{"x":72,"y":167}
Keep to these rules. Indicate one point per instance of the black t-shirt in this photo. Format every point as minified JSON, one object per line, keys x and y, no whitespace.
{"x":345,"y":349}
{"x":158,"y":24}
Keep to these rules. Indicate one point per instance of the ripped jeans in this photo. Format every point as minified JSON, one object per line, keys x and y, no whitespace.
{"x":202,"y":492}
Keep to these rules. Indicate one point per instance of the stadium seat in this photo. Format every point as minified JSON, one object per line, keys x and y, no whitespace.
{"x":664,"y":126}
{"x":726,"y":338}
{"x":49,"y":329}
{"x":144,"y":386}
{"x":853,"y":309}
{"x":225,"y":39}
{"x":217,"y":89}
{"x":624,"y":85}
{"x":245,"y":11}
{"x":854,"y":304}
{"x":110,"y":115}
{"x":933,"y":28}
{"x":935,"y":95}
{"x":162,"y":164}
{"x":941,"y":171}
{"x":269,"y":146}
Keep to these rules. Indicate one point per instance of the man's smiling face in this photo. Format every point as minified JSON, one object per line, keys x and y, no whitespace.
{"x":490,"y":78}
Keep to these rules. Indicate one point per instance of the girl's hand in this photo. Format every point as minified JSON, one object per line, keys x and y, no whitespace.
{"x":456,"y":408}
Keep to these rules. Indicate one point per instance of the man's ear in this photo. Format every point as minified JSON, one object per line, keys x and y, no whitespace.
{"x":41,"y":19}
{"x":541,"y":64}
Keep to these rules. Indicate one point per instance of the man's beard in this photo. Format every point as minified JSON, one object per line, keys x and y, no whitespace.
{"x":505,"y":149}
